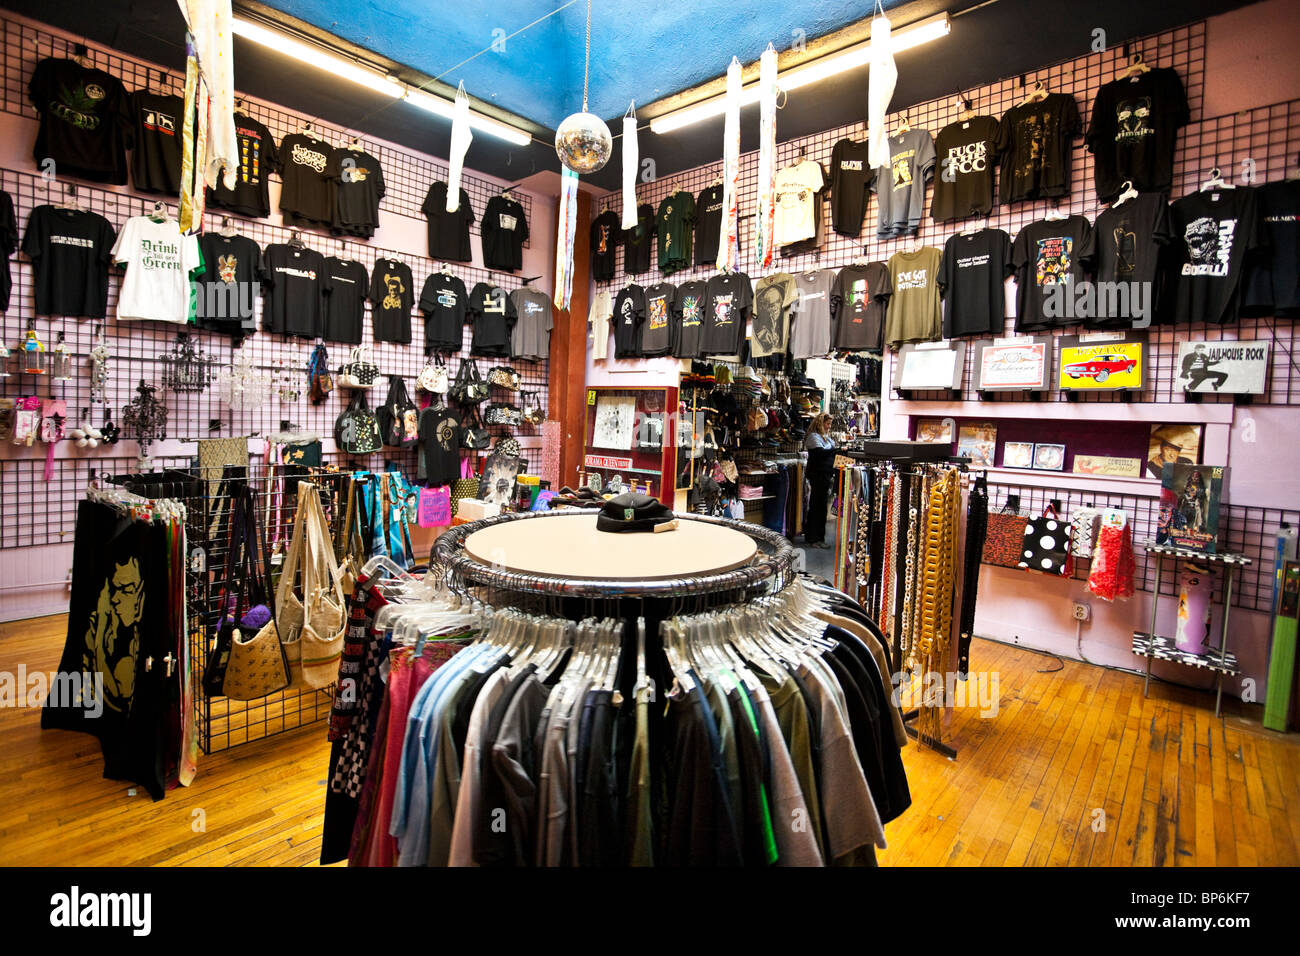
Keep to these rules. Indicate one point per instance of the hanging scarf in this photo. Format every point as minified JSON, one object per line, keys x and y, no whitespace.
{"x":568,"y":229}
{"x":880,"y":90}
{"x":187,"y":216}
{"x":461,"y":135}
{"x":631,"y":161}
{"x":766,"y":244}
{"x":727,"y":242}
{"x":209,"y":24}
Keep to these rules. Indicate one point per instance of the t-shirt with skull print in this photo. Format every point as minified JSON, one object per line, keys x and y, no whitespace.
{"x":1214,"y":233}
{"x":1134,"y":129}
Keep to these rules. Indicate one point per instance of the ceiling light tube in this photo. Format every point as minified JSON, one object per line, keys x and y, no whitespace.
{"x":484,"y":124}
{"x":813,"y":72}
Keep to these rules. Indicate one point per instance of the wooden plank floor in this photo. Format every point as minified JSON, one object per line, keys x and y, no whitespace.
{"x":1067,"y":750}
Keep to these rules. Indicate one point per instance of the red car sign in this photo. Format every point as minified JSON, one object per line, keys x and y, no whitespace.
{"x":1101,"y":368}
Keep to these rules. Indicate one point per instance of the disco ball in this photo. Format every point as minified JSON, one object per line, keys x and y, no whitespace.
{"x":583,"y":143}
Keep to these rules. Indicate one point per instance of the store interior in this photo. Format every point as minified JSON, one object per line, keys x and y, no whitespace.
{"x":859,"y":435}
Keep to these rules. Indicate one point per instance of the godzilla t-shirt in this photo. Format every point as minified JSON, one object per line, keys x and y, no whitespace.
{"x":773,"y":297}
{"x":1124,"y":247}
{"x":307,"y":193}
{"x":1134,"y":129}
{"x":85,"y":121}
{"x":505,"y":230}
{"x":708,"y":225}
{"x":914,"y":313}
{"x":233,"y":271}
{"x":258,"y":158}
{"x":656,"y":336}
{"x":70,"y":253}
{"x":674,"y":229}
{"x":392,"y":294}
{"x":851,"y":178}
{"x":345,"y":305}
{"x":293,"y":290}
{"x":726,"y":315}
{"x":629,"y":313}
{"x":638,"y":240}
{"x":1034,"y":148}
{"x":605,"y":236}
{"x":861,"y":295}
{"x":813,"y":314}
{"x":493,"y":316}
{"x":972,"y":279}
{"x":689,"y":308}
{"x":1047,"y":257}
{"x":156,"y":159}
{"x":448,"y":231}
{"x":901,"y":187}
{"x":1273,"y":277}
{"x":160,"y":263}
{"x":1215,"y":233}
{"x":445,"y":305}
{"x":963,"y":185}
{"x":358,"y":187}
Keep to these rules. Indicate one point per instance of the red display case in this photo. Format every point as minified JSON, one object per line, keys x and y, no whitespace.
{"x":631,"y":434}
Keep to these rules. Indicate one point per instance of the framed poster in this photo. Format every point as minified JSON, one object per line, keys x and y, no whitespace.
{"x":1049,"y":457}
{"x":1008,"y":365}
{"x":1189,"y":506}
{"x":1233,"y":368}
{"x":979,"y":443}
{"x":929,"y":365}
{"x":615,"y":422}
{"x":1096,"y":364}
{"x":1172,"y":445}
{"x":1106,"y":465}
{"x":1018,"y":454}
{"x":936,"y":430}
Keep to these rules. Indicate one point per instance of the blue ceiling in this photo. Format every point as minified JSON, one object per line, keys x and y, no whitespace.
{"x":641,"y":50}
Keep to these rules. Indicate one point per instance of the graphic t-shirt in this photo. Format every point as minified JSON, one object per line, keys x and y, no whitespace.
{"x":1133,"y":132}
{"x":914,"y":312}
{"x":638,"y":240}
{"x":1124,"y":246}
{"x":307,"y":193}
{"x":158,"y":122}
{"x":774,"y":296}
{"x":1215,"y":234}
{"x":392,"y":294}
{"x":232,"y":276}
{"x":358,"y":187}
{"x":726,"y":313}
{"x":8,"y":245}
{"x":901,"y":187}
{"x":972,"y":279}
{"x":598,"y":316}
{"x":258,"y":158}
{"x":532,"y":334}
{"x":813,"y":314}
{"x":657,"y":334}
{"x":160,"y":263}
{"x":1273,"y":277}
{"x":674,"y":227}
{"x":70,"y":253}
{"x":963,"y":185}
{"x":505,"y":230}
{"x":629,"y":314}
{"x":797,"y":187}
{"x":689,"y":308}
{"x":448,"y":231}
{"x":445,"y":305}
{"x":345,"y":305}
{"x":294,"y":290}
{"x":852,"y":176}
{"x":708,"y":225}
{"x":440,"y":431}
{"x":605,"y":236}
{"x":85,"y":120}
{"x":1047,"y":254}
{"x":492,"y":313}
{"x":1034,"y":148}
{"x":861,"y":295}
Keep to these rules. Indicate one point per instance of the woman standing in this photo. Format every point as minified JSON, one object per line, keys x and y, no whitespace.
{"x":821,"y":457}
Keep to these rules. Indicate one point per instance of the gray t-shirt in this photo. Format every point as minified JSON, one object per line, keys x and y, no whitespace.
{"x":812,"y":314}
{"x":901,"y":186}
{"x":531,"y":338}
{"x":773,"y":297}
{"x":657,"y":333}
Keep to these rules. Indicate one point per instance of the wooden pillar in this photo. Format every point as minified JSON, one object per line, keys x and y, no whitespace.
{"x":569,"y":353}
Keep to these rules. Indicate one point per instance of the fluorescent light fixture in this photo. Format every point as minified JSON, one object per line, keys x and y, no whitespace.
{"x":823,"y":67}
{"x":371,"y":79}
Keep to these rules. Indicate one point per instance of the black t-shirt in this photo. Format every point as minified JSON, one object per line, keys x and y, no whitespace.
{"x":656,"y":335}
{"x":638,"y":240}
{"x":8,"y":245}
{"x":708,"y":225}
{"x":1034,"y":147}
{"x":345,"y":306}
{"x":440,"y":446}
{"x":972,"y":278}
{"x":493,"y":314}
{"x":445,"y":305}
{"x":859,"y":297}
{"x":233,"y":271}
{"x":851,"y":177}
{"x":358,"y":187}
{"x":1124,"y":246}
{"x":1046,"y":254}
{"x":158,"y":122}
{"x":505,"y":230}
{"x":448,"y":231}
{"x":70,"y":253}
{"x":1273,"y":278}
{"x":1215,"y":233}
{"x":629,"y":314}
{"x":294,"y":288}
{"x":308,"y":190}
{"x":85,"y":120}
{"x":1133,"y":132}
{"x":689,"y":309}
{"x":730,"y":298}
{"x":673,"y":227}
{"x":258,"y":158}
{"x":605,"y":237}
{"x":966,"y":153}
{"x":392,"y":293}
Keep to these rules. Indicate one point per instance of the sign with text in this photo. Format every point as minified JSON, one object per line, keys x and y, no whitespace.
{"x":606,"y":461}
{"x":1016,"y":365}
{"x":1233,"y":368}
{"x":1102,"y":366}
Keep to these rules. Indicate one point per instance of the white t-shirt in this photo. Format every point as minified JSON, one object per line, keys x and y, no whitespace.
{"x":598,"y":317}
{"x":160,"y":263}
{"x":796,"y":191}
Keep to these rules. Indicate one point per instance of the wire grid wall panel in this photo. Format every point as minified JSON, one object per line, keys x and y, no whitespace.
{"x":407,"y":175}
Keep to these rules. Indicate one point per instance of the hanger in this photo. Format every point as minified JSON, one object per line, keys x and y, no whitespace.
{"x":160,"y":213}
{"x":228,"y":229}
{"x":967,"y":107}
{"x":903,"y":127}
{"x":307,"y":130}
{"x":70,"y":199}
{"x":977,"y":225}
{"x":1037,"y":94}
{"x":355,"y":145}
{"x":1216,"y":181}
{"x":507,"y":190}
{"x":295,"y":239}
{"x":1056,"y":214}
{"x":1135,"y":68}
{"x":1128,"y":193}
{"x":239,"y":103}
{"x":81,"y":56}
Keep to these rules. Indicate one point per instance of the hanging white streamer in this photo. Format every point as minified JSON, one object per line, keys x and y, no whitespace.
{"x":727,"y":239}
{"x":880,"y":90}
{"x":461,"y":135}
{"x":631,"y":163}
{"x":767,"y":90}
{"x":568,"y":228}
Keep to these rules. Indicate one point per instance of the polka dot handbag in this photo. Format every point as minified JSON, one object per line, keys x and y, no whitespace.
{"x":1046,"y":547}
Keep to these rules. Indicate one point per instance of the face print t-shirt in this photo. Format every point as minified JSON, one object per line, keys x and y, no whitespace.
{"x":901,"y":187}
{"x":160,"y":264}
{"x":629,"y":313}
{"x":689,"y":309}
{"x":861,"y":294}
{"x":726,"y":316}
{"x":773,"y":297}
{"x":656,"y":336}
{"x":258,"y":158}
{"x":392,"y":294}
{"x":1048,"y":261}
{"x":797,"y":188}
{"x":914,"y":313}
{"x":1134,"y":129}
{"x":1215,"y":232}
{"x":1123,"y":250}
{"x":1034,"y":148}
{"x":359,"y":185}
{"x":963,"y":180}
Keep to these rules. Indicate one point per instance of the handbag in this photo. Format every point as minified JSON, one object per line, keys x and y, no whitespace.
{"x":503,"y":376}
{"x":326,"y":618}
{"x":474,"y":434}
{"x":398,"y":418}
{"x":1045,"y":545}
{"x":469,"y":387}
{"x":258,"y":666}
{"x":466,"y":486}
{"x":433,"y":377}
{"x":361,"y":371}
{"x":214,"y":669}
{"x":1003,"y":538}
{"x":319,"y":381}
{"x":356,"y":430}
{"x":434,"y":510}
{"x":503,"y":413}
{"x":533,"y":413}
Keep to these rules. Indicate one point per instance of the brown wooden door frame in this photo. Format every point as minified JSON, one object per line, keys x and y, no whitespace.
{"x":568,"y":361}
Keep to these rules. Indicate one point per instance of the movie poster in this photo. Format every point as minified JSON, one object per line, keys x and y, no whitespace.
{"x":1190,"y":497}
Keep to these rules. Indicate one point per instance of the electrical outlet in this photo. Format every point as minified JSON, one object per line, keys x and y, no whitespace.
{"x":1082,"y":611}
